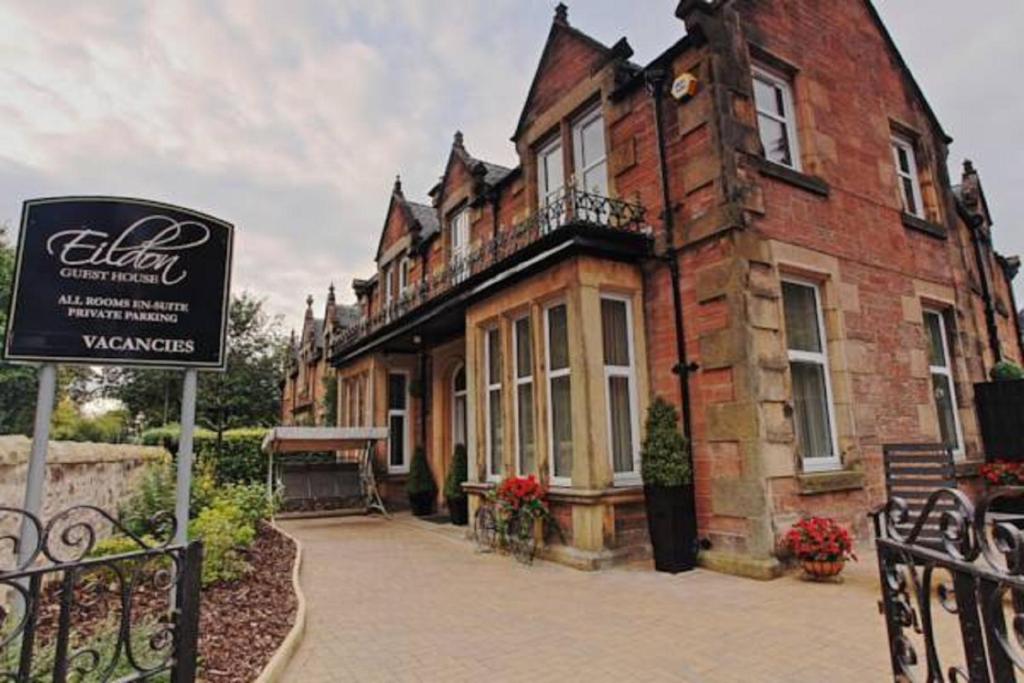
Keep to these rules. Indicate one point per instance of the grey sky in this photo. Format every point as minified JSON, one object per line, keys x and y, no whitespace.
{"x":291,"y":119}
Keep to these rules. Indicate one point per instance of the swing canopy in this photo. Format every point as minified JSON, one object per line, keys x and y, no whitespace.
{"x":348,"y":483}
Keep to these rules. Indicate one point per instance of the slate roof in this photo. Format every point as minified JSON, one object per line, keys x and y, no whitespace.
{"x":426,"y":216}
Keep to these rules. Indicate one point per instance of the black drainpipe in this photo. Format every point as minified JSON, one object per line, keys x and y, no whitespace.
{"x":655,"y":85}
{"x":986,"y":294}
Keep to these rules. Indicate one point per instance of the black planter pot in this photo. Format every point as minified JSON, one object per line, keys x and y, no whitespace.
{"x":672,"y":527}
{"x":421,"y":504}
{"x":458,"y":510}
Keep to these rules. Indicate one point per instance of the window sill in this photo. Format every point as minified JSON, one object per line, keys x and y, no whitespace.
{"x":815,"y":483}
{"x":810,"y":183}
{"x":927,"y":227}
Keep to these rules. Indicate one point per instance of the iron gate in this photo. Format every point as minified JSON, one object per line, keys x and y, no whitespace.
{"x":953,"y":607}
{"x":66,"y":612}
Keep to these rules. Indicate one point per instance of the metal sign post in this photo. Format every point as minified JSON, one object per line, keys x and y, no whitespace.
{"x":184,"y":481}
{"x":37,"y":460}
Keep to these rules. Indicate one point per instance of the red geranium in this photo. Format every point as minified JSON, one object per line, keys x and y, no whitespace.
{"x":518,"y":492}
{"x":1003,"y":473}
{"x":821,"y":539}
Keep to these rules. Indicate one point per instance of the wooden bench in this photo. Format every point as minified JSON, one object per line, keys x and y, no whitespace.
{"x":914,"y":472}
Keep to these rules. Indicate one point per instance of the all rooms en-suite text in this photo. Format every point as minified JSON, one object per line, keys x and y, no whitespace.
{"x":117,"y":308}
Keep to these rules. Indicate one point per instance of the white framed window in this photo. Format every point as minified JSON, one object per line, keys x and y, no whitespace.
{"x":813,"y":412}
{"x":559,"y":386}
{"x":404,"y":270}
{"x":398,"y":421}
{"x":389,"y":289}
{"x":493,"y":422}
{"x":458,"y":235}
{"x":907,"y":176}
{"x":589,"y":153}
{"x":459,"y":406}
{"x":940,"y":368}
{"x":620,"y":387}
{"x":522,"y":354}
{"x":776,"y":118}
{"x":551,"y":183}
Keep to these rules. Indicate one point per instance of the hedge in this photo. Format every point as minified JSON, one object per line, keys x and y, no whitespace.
{"x":240,"y":459}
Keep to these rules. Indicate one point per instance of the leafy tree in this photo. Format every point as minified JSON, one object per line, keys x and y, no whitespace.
{"x":245,"y":395}
{"x":17,"y":382}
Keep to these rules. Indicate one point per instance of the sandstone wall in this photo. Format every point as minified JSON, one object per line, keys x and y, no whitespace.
{"x":97,"y":474}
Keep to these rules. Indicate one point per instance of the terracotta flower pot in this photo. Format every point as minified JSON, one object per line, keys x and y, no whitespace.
{"x":822,"y":569}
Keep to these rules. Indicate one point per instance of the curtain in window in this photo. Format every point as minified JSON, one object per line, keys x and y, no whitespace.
{"x":615,"y":332}
{"x":621,"y":424}
{"x":801,"y":309}
{"x":460,"y":420}
{"x":494,"y":408}
{"x":561,"y":426}
{"x":527,"y":455}
{"x":811,"y":410}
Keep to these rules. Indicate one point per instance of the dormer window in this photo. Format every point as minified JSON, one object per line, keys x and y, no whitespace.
{"x":404,"y":278}
{"x":590,"y":156}
{"x":907,"y":175}
{"x":458,"y":236}
{"x":776,"y":118}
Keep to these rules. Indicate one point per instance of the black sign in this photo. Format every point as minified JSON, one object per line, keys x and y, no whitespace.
{"x":120,"y":281}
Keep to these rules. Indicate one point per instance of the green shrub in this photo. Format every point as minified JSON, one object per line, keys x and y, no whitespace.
{"x":1006,"y":370}
{"x":168,"y":436}
{"x":240,"y":460}
{"x":68,"y":424}
{"x":420,"y":479}
{"x":457,"y":474}
{"x":120,"y":545}
{"x":250,"y":499}
{"x":154,"y":495}
{"x":225,"y":533}
{"x":664,"y":451}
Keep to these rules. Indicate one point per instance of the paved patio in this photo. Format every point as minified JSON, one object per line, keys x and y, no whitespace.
{"x":405,"y":600}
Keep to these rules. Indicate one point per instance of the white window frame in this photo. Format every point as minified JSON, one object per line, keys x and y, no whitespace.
{"x":488,"y":388}
{"x":913,"y":174}
{"x":832,"y":462}
{"x":458,"y":236}
{"x":456,"y":395}
{"x":404,"y":413}
{"x":404,"y":268}
{"x":594,"y":115}
{"x":517,"y":382}
{"x":629,"y":373}
{"x":389,"y":290}
{"x":947,"y":370}
{"x":544,"y":196}
{"x":785,"y":85}
{"x":552,"y":375}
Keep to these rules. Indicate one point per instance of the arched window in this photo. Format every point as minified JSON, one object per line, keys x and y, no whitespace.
{"x":459,"y":406}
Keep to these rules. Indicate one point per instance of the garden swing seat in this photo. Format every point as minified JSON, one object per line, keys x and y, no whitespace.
{"x":342,"y":487}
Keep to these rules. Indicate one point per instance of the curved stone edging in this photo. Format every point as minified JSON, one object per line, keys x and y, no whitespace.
{"x":279,"y":662}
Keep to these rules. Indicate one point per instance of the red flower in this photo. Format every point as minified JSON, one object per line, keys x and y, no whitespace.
{"x":819,"y":538}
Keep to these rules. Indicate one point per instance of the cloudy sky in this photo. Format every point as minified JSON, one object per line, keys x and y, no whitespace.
{"x":292,"y":119}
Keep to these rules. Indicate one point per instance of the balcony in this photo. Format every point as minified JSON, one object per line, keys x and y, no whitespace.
{"x":578,"y":220}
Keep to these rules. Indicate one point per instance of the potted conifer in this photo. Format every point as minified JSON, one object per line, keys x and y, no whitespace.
{"x":668,"y":490}
{"x":420,"y":485}
{"x":458,"y":505}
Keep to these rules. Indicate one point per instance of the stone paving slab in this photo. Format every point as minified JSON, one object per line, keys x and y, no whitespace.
{"x":404,"y":600}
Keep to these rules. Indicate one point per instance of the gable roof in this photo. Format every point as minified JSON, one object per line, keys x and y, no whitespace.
{"x":560,"y":27}
{"x":491,"y":174}
{"x":420,"y":217}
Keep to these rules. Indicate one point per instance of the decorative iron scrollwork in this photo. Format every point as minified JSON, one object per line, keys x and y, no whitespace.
{"x":72,"y":614}
{"x":971,"y":569}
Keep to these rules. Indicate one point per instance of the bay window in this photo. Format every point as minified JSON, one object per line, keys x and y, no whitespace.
{"x":493,"y":415}
{"x":559,"y":394}
{"x":620,"y":385}
{"x":522,"y":351}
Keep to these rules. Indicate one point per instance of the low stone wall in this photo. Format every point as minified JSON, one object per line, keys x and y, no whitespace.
{"x":99,"y":474}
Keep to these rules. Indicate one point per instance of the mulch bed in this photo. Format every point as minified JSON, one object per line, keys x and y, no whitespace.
{"x":241,"y":624}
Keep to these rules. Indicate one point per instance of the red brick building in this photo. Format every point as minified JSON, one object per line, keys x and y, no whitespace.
{"x":758,"y":226}
{"x":308,"y":376}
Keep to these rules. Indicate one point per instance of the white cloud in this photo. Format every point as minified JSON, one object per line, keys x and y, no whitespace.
{"x":291,"y":119}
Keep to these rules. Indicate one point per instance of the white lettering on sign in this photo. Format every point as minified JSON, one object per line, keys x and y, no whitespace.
{"x":153,"y":344}
{"x":87,"y":247}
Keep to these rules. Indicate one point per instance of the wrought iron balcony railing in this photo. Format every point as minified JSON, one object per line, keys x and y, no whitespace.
{"x":572,"y":208}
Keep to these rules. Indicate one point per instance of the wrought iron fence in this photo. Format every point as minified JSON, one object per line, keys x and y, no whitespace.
{"x":572,"y":208}
{"x":68,"y":614}
{"x":954,"y":608}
